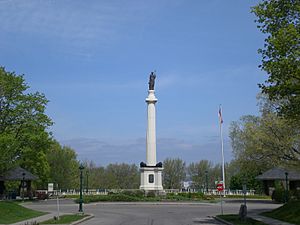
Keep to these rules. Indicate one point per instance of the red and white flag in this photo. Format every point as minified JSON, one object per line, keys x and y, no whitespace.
{"x":220,"y":115}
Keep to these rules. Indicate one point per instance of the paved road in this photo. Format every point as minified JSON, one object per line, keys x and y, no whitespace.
{"x":153,"y":213}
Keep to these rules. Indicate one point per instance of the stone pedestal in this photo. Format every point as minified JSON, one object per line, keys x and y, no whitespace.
{"x":151,"y":172}
{"x":151,"y":178}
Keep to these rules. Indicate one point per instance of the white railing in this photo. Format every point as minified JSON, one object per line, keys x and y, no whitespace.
{"x":216,"y":192}
{"x":106,"y":191}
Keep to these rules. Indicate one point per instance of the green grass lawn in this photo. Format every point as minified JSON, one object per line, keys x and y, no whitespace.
{"x":289,"y":212}
{"x":11,"y":212}
{"x":65,"y":219}
{"x":249,"y":196}
{"x":234,"y":219}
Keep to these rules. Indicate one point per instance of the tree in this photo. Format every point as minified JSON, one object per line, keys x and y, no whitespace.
{"x":263,"y":142}
{"x":260,"y":143}
{"x":121,"y":176}
{"x":197,"y":170}
{"x":174,"y":173}
{"x":24,"y":138}
{"x":248,"y":178}
{"x":238,"y":175}
{"x":279,"y":20}
{"x":63,"y":166}
{"x":96,"y":175}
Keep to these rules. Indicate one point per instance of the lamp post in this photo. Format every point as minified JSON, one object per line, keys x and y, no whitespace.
{"x":81,"y":168}
{"x":245,"y":189}
{"x":206,"y":180}
{"x":286,"y":187}
{"x":23,"y":185}
{"x":57,"y":201}
{"x":87,"y":181}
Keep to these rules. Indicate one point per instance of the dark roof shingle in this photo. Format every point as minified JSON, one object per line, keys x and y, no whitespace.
{"x":17,"y":174}
{"x":279,"y":174}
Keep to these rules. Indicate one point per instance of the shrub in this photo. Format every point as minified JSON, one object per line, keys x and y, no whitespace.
{"x":123,"y":198}
{"x":41,"y":195}
{"x":189,"y":195}
{"x":173,"y":196}
{"x":135,"y":193}
{"x":295,"y":195}
{"x":151,"y":194}
{"x":119,"y":197}
{"x":279,"y":194}
{"x":198,"y":195}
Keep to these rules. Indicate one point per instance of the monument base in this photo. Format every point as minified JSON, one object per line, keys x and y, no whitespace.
{"x":151,"y":178}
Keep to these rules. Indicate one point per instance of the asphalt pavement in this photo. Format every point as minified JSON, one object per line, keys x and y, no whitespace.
{"x":153,"y":213}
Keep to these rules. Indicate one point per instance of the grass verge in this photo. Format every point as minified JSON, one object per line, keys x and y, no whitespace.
{"x":65,"y":219}
{"x":249,"y":196}
{"x":11,"y":212}
{"x":289,"y":212}
{"x":234,"y":219}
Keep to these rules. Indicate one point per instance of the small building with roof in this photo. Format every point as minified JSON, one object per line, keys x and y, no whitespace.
{"x":17,"y":174}
{"x":279,"y":174}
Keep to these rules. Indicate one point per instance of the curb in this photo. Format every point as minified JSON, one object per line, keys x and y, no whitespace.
{"x":82,"y":220}
{"x":152,"y":203}
{"x":90,"y":216}
{"x":222,"y":221}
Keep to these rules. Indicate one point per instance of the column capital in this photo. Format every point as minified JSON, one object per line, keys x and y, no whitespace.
{"x":151,"y":97}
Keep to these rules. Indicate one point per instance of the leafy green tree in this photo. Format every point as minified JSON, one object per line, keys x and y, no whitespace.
{"x":24,"y":138}
{"x":262,"y":142}
{"x":245,"y":177}
{"x":231,"y":169}
{"x":173,"y":173}
{"x":122,"y":176}
{"x":96,"y":176}
{"x":279,"y":21}
{"x":197,"y":170}
{"x":63,"y":166}
{"x":235,"y":183}
{"x":236,"y":176}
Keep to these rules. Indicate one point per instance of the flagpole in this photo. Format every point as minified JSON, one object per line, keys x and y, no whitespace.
{"x":222,"y":148}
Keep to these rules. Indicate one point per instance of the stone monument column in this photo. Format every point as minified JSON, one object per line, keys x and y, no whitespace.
{"x":151,"y":130}
{"x":151,"y":172}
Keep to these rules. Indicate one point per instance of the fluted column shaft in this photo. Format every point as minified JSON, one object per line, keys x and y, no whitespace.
{"x":151,"y":130}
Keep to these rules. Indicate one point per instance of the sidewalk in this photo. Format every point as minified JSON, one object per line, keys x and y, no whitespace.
{"x":268,"y":220}
{"x":37,"y":219}
{"x":50,"y":216}
{"x":260,"y":218}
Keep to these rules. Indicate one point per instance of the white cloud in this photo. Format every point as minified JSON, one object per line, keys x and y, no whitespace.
{"x":103,"y":152}
{"x":224,"y":77}
{"x":85,"y":86}
{"x":79,"y":26}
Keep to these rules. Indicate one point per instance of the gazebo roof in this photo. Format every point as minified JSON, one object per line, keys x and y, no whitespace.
{"x":279,"y":174}
{"x":17,"y":174}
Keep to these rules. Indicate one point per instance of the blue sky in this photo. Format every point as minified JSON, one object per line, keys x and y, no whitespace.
{"x":92,"y":60}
